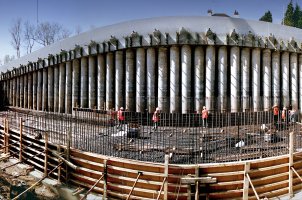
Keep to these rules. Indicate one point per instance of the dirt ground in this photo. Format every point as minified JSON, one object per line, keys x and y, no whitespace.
{"x":15,"y":179}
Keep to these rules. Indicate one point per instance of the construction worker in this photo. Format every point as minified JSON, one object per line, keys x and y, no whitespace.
{"x":120,"y":117}
{"x":155,"y":118}
{"x":284,"y":114}
{"x":204,"y":116}
{"x":276,"y":114}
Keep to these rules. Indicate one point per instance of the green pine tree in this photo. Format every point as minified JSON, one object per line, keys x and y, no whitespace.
{"x":267,"y":17}
{"x":289,"y":15}
{"x":296,"y":15}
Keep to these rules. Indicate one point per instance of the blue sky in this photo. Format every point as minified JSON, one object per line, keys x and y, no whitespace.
{"x":96,"y":13}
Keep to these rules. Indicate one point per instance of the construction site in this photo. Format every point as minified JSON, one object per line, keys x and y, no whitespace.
{"x":60,"y":113}
{"x":89,"y":150}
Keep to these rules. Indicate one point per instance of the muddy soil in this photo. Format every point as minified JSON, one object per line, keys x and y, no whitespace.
{"x":15,"y":179}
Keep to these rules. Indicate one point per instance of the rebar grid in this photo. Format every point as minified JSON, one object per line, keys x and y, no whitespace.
{"x":228,"y":136}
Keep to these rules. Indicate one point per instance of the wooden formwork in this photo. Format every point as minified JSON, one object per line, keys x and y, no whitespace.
{"x":131,"y":179}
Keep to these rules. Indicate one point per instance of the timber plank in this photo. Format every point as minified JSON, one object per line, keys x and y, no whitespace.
{"x":226,"y":194}
{"x":97,"y":158}
{"x":136,"y":165}
{"x":221,"y":169}
{"x":267,"y":163}
{"x":87,"y":164}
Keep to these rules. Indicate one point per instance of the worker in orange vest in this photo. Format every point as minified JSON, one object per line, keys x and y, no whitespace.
{"x":204,"y":116}
{"x":276,"y":114}
{"x":155,"y":118}
{"x":120,"y":117}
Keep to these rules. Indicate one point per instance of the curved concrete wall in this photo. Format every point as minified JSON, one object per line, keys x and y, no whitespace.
{"x":176,"y":63}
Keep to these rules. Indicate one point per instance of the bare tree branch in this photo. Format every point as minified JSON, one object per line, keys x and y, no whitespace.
{"x":29,"y":36}
{"x":15,"y":31}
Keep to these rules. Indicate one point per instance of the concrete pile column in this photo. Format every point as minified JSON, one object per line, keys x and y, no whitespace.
{"x":50,"y":89}
{"x":245,"y":71}
{"x":21,"y":83}
{"x":186,"y":79}
{"x":15,"y":91}
{"x":140,"y":80}
{"x":151,"y":79}
{"x":256,"y":79}
{"x":109,"y":81}
{"x":39,"y":89}
{"x":130,"y":80}
{"x":210,"y":77}
{"x":119,"y":80}
{"x":45,"y":90}
{"x":267,"y":75}
{"x":84,"y":82}
{"x":199,"y":78}
{"x":92,"y":82}
{"x":18,"y":92}
{"x":101,"y":73}
{"x":235,"y":79}
{"x":30,"y":90}
{"x":25,"y":81}
{"x":163,"y":100}
{"x":62,"y":85}
{"x":294,"y":80}
{"x":175,"y":94}
{"x":222,"y":78}
{"x":35,"y":90}
{"x":76,"y":83}
{"x":11,"y":94}
{"x":285,"y":78}
{"x":276,"y":77}
{"x":56,"y":89}
{"x":68,"y":89}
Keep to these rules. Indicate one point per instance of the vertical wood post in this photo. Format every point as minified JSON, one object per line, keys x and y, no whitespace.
{"x":291,"y":163}
{"x":105,"y":180}
{"x":60,"y":167}
{"x":68,"y":149}
{"x":166,"y":175}
{"x":246,"y":183}
{"x":46,"y":154}
{"x":21,"y":129}
{"x":6,"y":137}
{"x":197,"y":183}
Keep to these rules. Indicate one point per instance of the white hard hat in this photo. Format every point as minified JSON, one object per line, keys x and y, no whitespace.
{"x":157,"y":108}
{"x":121,"y":108}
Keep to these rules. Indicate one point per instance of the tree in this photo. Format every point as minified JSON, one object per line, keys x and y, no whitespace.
{"x":289,"y":15}
{"x":29,"y":36}
{"x":48,"y":33}
{"x":16,"y":31}
{"x":8,"y":58}
{"x":267,"y":17}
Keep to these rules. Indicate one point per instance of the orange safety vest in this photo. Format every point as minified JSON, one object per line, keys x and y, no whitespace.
{"x":120,"y":115}
{"x":275,"y":110}
{"x":205,"y":114}
{"x":155,"y":117}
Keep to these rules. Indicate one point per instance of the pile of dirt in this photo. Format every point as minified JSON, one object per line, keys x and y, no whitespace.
{"x":16,"y":179}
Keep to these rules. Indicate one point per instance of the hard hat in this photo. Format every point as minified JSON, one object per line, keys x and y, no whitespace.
{"x":121,"y":108}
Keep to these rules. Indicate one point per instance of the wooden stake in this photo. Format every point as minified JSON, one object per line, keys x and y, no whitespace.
{"x":197,"y":183}
{"x":85,"y":195}
{"x":138,"y":175}
{"x":46,"y":154}
{"x":105,"y":179}
{"x":21,"y":128}
{"x":246,"y":184}
{"x":291,"y":163}
{"x":166,"y":175}
{"x":256,"y":194}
